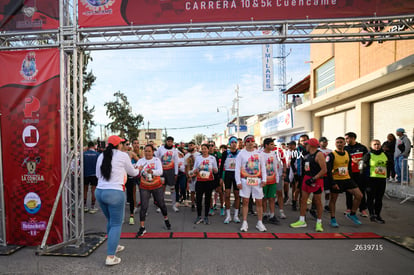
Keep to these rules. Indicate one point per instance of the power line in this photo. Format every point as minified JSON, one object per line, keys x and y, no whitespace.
{"x":197,"y":126}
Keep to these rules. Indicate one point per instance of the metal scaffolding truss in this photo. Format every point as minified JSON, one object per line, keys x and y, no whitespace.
{"x":73,"y":41}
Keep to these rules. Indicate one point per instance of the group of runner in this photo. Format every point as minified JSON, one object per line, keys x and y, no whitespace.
{"x":258,"y":175}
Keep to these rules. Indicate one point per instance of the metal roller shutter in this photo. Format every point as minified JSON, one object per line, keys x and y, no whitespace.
{"x":390,"y":114}
{"x":337,"y":125}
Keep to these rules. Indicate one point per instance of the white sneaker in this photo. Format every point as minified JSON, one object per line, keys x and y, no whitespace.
{"x":175,"y":208}
{"x":112,"y":261}
{"x":282,"y":215}
{"x":244,"y":227}
{"x":227,"y":220}
{"x":260,"y":226}
{"x":236,"y":219}
{"x":158,"y":210}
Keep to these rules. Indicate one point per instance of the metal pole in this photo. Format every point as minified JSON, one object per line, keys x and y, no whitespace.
{"x":238,"y":113}
{"x":80,"y":201}
{"x":3,"y":236}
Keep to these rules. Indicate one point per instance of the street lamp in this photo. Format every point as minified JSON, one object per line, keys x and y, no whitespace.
{"x":227,"y":110}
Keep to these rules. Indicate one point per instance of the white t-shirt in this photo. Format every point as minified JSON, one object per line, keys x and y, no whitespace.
{"x":249,"y":164}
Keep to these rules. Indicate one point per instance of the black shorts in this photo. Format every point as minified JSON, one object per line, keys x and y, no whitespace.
{"x":169,"y":176}
{"x":230,"y":181}
{"x":286,"y":179}
{"x":326,"y":184}
{"x":343,"y":185}
{"x":91,"y":180}
{"x":216,"y":181}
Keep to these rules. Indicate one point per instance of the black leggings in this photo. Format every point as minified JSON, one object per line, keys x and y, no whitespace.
{"x":206,"y":188}
{"x":129,"y":185}
{"x":145,"y":196}
{"x":375,"y":193}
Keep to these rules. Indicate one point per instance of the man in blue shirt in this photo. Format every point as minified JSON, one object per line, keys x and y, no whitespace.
{"x":89,"y":172}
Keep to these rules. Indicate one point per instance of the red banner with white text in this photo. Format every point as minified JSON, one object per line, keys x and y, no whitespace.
{"x":24,"y":15}
{"x":99,"y":13}
{"x":30,"y":143}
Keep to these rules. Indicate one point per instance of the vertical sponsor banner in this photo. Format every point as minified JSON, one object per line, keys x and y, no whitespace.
{"x":19,"y":15}
{"x":267,"y":61}
{"x":30,"y":140}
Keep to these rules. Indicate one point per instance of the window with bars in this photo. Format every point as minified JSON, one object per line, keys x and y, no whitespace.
{"x":325,"y":78}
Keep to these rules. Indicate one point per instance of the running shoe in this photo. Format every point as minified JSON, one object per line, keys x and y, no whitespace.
{"x":318,"y":227}
{"x":327,"y":209}
{"x":227,"y":220}
{"x":167,"y":224}
{"x":348,"y":211}
{"x":236,"y":219}
{"x":131,"y":221}
{"x":378,"y":219}
{"x":175,"y":208}
{"x":372,"y":218}
{"x":273,"y":220}
{"x":85,"y":209}
{"x":136,"y":209}
{"x":198,"y":220}
{"x":265,"y":218}
{"x":287,"y":202}
{"x":298,"y":224}
{"x":222,"y":211}
{"x":309,"y":201}
{"x":206,"y":221}
{"x":119,"y":248}
{"x":158,"y":210}
{"x":112,"y":261}
{"x":141,"y":232}
{"x":215,"y":206}
{"x":353,"y":218}
{"x":282,"y":214}
{"x":93,"y":210}
{"x":333,"y":223}
{"x":244,"y":227}
{"x":364,"y":214}
{"x":211,"y":212}
{"x":260,"y":226}
{"x":313,"y":213}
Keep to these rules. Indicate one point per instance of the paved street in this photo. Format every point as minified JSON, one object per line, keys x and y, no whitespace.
{"x":238,"y":256}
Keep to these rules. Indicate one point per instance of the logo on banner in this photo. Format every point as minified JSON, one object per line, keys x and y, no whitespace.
{"x":31,"y":176}
{"x":98,"y":6}
{"x":29,"y":70}
{"x":32,"y":203}
{"x":30,"y":136}
{"x":33,"y":226}
{"x":31,"y":105}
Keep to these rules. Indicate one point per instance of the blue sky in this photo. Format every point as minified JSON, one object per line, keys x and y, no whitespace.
{"x":182,"y":87}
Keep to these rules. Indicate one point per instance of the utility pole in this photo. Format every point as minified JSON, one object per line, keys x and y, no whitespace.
{"x":238,"y":113}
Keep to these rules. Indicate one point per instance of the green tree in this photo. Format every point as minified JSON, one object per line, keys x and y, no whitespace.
{"x":198,"y":138}
{"x":123,"y":120}
{"x":88,"y":80}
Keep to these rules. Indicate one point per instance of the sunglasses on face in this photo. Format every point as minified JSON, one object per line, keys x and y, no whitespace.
{"x":250,"y":140}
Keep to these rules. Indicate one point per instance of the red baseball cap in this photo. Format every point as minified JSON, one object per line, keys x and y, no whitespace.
{"x":312,"y":142}
{"x":115,"y":140}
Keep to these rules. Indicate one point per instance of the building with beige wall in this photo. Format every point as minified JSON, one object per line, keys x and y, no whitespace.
{"x":147,"y":135}
{"x":365,"y":89}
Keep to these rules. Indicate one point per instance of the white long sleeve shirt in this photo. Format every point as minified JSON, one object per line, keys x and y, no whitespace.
{"x":249,"y":164}
{"x":205,"y":167}
{"x":121,"y":167}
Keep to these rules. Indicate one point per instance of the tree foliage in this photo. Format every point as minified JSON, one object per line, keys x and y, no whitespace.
{"x":123,"y":120}
{"x":88,"y":80}
{"x":199,"y":138}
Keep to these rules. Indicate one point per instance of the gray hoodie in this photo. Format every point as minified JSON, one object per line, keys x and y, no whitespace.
{"x":402,"y":141}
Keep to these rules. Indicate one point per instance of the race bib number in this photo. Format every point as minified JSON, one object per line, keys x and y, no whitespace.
{"x":252,"y":181}
{"x":204,"y":174}
{"x":380,"y":170}
{"x":307,"y":166}
{"x":342,"y":171}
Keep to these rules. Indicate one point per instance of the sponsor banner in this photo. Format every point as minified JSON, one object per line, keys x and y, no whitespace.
{"x":280,"y":122}
{"x":100,"y":13}
{"x":267,"y":61}
{"x":23,"y":15}
{"x":30,"y":140}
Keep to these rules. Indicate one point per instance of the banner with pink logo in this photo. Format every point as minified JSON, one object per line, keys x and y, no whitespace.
{"x":30,"y":142}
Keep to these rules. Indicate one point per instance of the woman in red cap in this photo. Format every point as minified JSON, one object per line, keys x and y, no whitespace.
{"x":112,"y":168}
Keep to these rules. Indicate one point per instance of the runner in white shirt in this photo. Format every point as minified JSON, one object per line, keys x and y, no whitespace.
{"x":204,"y":167}
{"x":251,"y":176}
{"x":169,"y":159}
{"x":189,"y":160}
